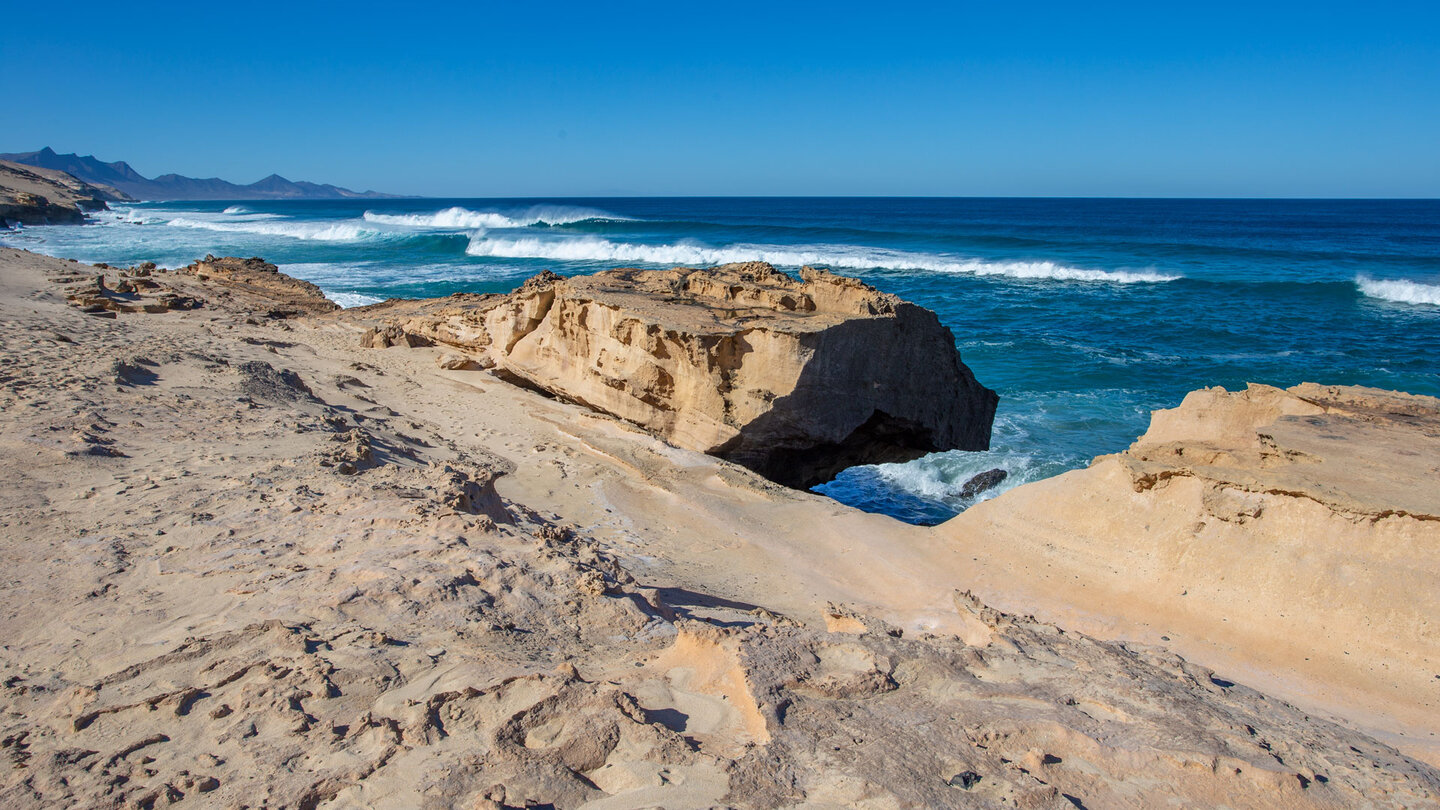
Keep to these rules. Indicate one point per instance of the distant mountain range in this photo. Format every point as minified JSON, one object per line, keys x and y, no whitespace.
{"x":121,"y":177}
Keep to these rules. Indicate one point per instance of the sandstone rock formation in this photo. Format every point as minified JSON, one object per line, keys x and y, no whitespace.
{"x":1289,"y":532}
{"x":258,"y":280}
{"x":794,"y":379}
{"x":274,"y":569}
{"x":252,"y":286}
{"x":34,"y":196}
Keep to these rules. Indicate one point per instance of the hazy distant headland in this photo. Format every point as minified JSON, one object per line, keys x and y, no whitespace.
{"x":121,"y":177}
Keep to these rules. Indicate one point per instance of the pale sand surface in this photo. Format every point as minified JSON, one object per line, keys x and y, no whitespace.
{"x":198,"y":605}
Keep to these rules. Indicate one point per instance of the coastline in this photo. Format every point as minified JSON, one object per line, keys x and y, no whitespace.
{"x":696,"y":538}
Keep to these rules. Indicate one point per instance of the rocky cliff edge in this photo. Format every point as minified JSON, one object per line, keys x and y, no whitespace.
{"x":795,"y":379}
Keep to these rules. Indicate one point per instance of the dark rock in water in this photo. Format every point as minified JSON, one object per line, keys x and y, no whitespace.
{"x":982,"y":482}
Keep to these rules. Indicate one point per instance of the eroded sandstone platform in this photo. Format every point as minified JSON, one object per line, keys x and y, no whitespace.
{"x":1291,"y":533}
{"x":246,"y":563}
{"x":795,"y":379}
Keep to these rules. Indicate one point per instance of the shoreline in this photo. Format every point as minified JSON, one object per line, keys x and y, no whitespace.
{"x":698,"y":537}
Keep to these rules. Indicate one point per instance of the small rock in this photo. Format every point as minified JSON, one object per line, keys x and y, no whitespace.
{"x":982,"y":482}
{"x":964,"y":780}
{"x":451,"y":361}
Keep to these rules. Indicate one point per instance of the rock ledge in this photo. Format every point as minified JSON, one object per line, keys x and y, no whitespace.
{"x":795,"y":379}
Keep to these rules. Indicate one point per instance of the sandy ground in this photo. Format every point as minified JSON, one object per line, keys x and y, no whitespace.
{"x":247,"y":563}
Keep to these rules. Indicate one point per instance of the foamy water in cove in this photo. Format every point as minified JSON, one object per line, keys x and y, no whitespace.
{"x":1084,"y":314}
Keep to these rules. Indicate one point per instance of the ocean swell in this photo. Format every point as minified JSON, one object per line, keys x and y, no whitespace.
{"x":1400,"y":291}
{"x":594,"y":249}
{"x":317,"y":231}
{"x":466,"y":219}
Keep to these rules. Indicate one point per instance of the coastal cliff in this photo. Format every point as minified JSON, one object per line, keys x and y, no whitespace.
{"x":1289,"y":531}
{"x":281,"y":569}
{"x":36,"y":196}
{"x":796,"y":380}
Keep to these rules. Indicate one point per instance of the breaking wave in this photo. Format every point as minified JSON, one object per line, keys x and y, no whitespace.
{"x":464,"y":218}
{"x":127,"y":216}
{"x":831,"y":256}
{"x":348,"y":300}
{"x":1401,"y":291}
{"x":237,"y":209}
{"x":317,"y":231}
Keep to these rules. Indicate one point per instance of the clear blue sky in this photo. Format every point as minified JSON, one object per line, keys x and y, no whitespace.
{"x":601,"y":98}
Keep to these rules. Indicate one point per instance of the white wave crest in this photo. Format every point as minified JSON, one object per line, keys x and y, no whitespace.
{"x":126,"y":216}
{"x":348,"y":300}
{"x":465,"y":219}
{"x":317,"y":231}
{"x":832,"y":256}
{"x":1401,"y":291}
{"x":236,"y":209}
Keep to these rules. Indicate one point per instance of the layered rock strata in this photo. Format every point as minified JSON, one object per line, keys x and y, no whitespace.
{"x":278,"y":570}
{"x":33,"y":196}
{"x":796,"y":380}
{"x":253,"y":286}
{"x":1287,"y":532}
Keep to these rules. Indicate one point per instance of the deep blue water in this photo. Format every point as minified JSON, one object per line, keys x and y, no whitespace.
{"x":1084,"y":314}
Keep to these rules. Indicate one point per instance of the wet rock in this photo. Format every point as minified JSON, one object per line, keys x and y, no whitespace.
{"x":984,"y":481}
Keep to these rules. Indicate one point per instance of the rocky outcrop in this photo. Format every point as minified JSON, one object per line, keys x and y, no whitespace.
{"x":796,"y":379}
{"x":276,"y":294}
{"x":281,"y":574}
{"x":1288,"y":532}
{"x":34,"y":196}
{"x":252,"y":287}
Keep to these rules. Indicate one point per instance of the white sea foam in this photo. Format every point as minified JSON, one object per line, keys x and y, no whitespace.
{"x":127,"y":216}
{"x":832,"y":256}
{"x":348,"y":300}
{"x":317,"y":231}
{"x":1405,"y":292}
{"x":236,"y":209}
{"x":942,"y":476}
{"x":465,"y":219}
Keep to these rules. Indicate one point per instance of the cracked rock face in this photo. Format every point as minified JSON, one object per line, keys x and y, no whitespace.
{"x":796,"y":380}
{"x":1298,"y":525}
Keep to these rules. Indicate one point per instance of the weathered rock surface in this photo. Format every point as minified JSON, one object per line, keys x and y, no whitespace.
{"x":34,"y":196}
{"x":794,"y":379}
{"x":253,"y":287}
{"x":285,"y":576}
{"x":1289,"y":532}
{"x":257,"y":280}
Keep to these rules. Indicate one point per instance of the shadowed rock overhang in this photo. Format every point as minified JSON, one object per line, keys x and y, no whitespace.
{"x":795,"y":379}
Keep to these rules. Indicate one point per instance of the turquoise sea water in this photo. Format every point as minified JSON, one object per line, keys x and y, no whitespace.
{"x":1084,"y":314}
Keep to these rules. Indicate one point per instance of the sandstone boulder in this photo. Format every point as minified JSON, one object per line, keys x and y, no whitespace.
{"x":262,"y":282}
{"x":795,"y":379}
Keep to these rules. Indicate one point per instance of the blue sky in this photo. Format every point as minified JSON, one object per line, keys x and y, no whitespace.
{"x":539,"y":99}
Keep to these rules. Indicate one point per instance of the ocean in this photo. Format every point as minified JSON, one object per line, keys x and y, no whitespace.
{"x":1084,"y":314}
